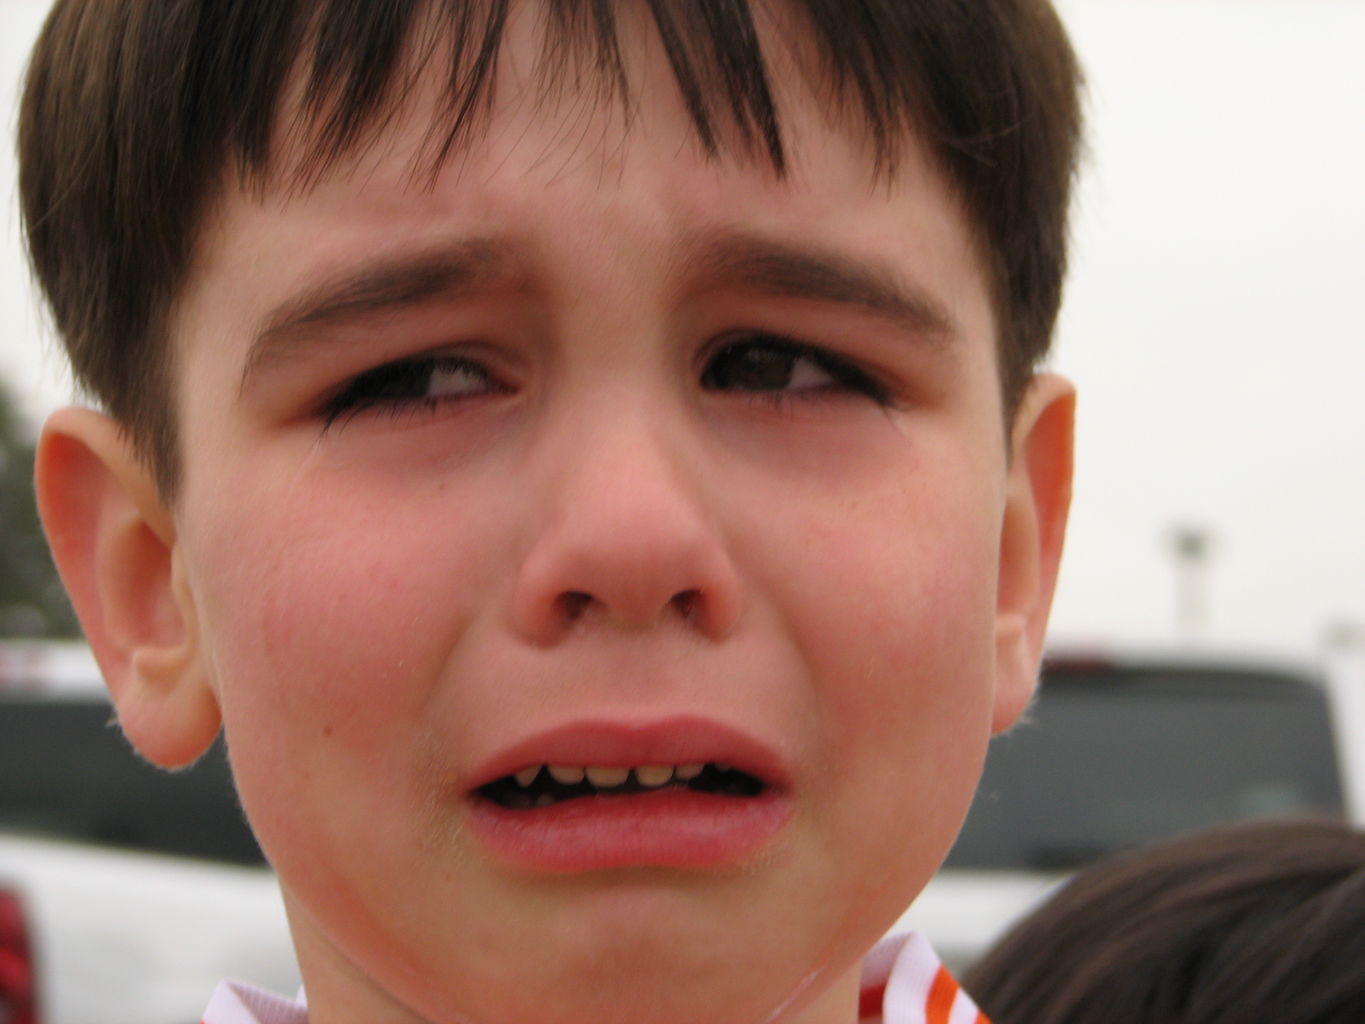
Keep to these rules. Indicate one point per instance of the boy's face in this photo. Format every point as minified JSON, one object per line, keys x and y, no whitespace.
{"x":597,"y":453}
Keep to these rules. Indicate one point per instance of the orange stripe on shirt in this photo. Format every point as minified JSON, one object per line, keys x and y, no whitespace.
{"x":941,"y":995}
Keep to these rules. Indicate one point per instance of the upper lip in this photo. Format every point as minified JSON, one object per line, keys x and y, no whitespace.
{"x":679,"y":740}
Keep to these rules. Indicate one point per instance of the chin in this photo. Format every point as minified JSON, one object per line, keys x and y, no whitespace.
{"x":658,"y":972}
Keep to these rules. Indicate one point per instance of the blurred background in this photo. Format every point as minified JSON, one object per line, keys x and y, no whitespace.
{"x":1215,"y":324}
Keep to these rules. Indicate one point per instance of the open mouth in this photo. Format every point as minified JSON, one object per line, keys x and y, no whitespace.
{"x":547,"y":785}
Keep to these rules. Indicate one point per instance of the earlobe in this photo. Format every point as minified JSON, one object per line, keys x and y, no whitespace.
{"x":114,"y":542}
{"x":1037,"y":500}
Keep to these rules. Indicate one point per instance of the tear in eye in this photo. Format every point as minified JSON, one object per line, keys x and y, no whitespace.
{"x":455,"y":378}
{"x":766,"y":364}
{"x":416,"y":383}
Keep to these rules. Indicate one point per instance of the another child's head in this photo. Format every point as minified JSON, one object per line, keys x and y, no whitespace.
{"x":1249,"y":922}
{"x":640,"y":389}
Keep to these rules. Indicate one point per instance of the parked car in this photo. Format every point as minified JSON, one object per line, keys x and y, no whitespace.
{"x":126,"y":892}
{"x":1124,"y":750}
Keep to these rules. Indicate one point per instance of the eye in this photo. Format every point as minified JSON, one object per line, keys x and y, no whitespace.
{"x":765,"y":363}
{"x":418,"y":384}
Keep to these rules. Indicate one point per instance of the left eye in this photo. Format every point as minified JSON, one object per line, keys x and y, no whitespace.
{"x":763,"y":363}
{"x":410,"y":382}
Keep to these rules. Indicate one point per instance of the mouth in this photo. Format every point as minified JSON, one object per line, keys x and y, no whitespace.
{"x":680,"y":793}
{"x":545,"y":785}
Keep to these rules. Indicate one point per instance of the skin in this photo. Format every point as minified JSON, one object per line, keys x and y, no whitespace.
{"x":373,"y":606}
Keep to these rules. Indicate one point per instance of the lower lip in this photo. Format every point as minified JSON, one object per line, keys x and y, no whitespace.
{"x":672,"y":828}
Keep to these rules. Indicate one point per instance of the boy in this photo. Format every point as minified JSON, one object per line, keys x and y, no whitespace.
{"x":586,"y":456}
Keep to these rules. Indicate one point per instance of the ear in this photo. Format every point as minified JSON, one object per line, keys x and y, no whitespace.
{"x":1037,"y":499}
{"x":114,"y":542}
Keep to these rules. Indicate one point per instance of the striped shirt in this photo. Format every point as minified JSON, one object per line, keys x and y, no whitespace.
{"x":903,"y":983}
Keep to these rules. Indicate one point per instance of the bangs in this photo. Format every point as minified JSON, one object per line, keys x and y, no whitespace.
{"x":355,"y":62}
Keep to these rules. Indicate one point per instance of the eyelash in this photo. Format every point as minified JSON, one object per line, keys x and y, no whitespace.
{"x":405,"y":377}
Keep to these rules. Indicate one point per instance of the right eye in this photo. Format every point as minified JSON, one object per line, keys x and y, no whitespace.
{"x":419,"y":384}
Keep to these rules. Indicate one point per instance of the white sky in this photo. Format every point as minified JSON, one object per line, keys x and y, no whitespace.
{"x":1215,"y":319}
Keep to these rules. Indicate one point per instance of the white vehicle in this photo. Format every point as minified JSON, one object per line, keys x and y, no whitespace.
{"x":1121,"y":751}
{"x":126,"y":892}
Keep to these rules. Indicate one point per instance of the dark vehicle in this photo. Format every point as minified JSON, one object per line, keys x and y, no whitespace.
{"x":66,"y":772}
{"x":1117,"y":752}
{"x":126,"y":892}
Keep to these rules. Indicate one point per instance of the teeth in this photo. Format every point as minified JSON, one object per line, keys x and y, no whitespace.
{"x":651,"y":776}
{"x":648,"y":776}
{"x":566,"y":774}
{"x":606,"y":778}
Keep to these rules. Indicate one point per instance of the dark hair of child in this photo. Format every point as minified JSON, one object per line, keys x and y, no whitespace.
{"x":135,"y":116}
{"x":1250,"y":922}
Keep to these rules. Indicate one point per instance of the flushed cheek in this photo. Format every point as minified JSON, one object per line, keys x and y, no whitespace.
{"x":329,"y":638}
{"x":907,"y":721}
{"x":892,"y":606}
{"x":913,"y":710}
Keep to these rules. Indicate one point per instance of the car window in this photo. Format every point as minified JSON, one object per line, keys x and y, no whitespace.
{"x":1112,"y":757}
{"x":67,"y":772}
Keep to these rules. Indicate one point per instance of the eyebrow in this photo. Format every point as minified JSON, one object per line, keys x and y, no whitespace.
{"x":379,"y":288}
{"x":773,"y":267}
{"x":811,"y":272}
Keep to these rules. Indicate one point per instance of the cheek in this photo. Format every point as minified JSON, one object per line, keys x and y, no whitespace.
{"x":912,"y":724}
{"x":892,"y":605}
{"x":910,"y":662}
{"x":328,"y":621}
{"x":892,"y":600}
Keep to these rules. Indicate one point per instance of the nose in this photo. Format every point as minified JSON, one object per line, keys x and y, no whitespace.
{"x":624,"y":540}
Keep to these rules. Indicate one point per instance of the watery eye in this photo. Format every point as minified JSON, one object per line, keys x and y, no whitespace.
{"x":454,"y":378}
{"x":420,"y":378}
{"x":774,"y":365}
{"x":753,"y":366}
{"x":410,"y":383}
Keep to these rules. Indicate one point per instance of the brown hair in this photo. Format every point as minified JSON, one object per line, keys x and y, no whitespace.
{"x":133,"y":109}
{"x":1249,"y":922}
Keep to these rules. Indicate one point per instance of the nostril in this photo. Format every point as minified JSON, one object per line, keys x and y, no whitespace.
{"x":687,"y":603}
{"x":572,"y":605}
